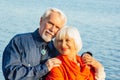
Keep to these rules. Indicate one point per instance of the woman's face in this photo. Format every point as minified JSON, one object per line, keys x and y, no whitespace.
{"x":66,"y":46}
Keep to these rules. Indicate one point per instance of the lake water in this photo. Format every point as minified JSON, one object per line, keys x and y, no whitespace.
{"x":97,"y":20}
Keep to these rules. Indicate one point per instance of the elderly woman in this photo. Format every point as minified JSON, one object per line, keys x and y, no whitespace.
{"x":73,"y":67}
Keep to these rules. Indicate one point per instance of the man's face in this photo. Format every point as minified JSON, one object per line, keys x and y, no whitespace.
{"x":50,"y":26}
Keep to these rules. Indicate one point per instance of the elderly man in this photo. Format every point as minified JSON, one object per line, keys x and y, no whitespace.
{"x":30,"y":56}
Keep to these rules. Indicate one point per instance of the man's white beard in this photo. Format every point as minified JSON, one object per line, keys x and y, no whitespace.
{"x":46,"y":38}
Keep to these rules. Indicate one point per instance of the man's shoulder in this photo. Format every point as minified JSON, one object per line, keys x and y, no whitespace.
{"x":26,"y":35}
{"x":23,"y":37}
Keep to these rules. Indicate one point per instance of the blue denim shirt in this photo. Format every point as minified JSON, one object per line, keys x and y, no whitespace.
{"x":23,"y":58}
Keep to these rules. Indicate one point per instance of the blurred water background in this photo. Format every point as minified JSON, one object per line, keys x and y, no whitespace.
{"x":97,"y":20}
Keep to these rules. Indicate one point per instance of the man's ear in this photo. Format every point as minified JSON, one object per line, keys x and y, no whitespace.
{"x":40,"y":20}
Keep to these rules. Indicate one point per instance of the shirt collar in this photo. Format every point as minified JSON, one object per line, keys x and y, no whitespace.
{"x":38,"y":40}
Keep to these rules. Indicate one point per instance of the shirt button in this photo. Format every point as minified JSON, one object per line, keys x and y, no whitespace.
{"x":29,"y":65}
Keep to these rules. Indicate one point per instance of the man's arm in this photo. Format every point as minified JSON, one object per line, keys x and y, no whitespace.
{"x":99,"y":68}
{"x":12,"y":66}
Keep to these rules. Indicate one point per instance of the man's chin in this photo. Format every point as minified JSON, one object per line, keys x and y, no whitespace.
{"x":47,"y":38}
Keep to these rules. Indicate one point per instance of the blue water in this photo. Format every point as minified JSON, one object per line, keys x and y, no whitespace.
{"x":97,"y":20}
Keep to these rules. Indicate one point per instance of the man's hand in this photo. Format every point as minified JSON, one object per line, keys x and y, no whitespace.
{"x":99,"y":69}
{"x":89,"y":60}
{"x":53,"y":62}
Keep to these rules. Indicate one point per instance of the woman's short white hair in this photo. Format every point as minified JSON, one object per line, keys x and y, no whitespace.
{"x":50,"y":10}
{"x":72,"y":32}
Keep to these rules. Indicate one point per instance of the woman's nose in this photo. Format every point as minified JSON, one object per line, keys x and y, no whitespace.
{"x":63,"y":43}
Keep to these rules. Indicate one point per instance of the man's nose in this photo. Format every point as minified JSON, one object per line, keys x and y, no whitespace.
{"x":52,"y":28}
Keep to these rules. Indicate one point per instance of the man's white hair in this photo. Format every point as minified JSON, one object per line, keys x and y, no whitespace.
{"x":50,"y":10}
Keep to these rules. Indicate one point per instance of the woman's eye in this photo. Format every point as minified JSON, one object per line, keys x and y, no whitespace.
{"x":57,"y":27}
{"x":67,"y":40}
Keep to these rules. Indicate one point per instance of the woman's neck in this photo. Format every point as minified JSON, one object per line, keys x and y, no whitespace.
{"x":72,"y":58}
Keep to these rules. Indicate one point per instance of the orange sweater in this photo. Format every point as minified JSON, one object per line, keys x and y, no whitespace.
{"x":69,"y":70}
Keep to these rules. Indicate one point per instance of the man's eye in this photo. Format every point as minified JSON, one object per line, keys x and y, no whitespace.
{"x":50,"y":24}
